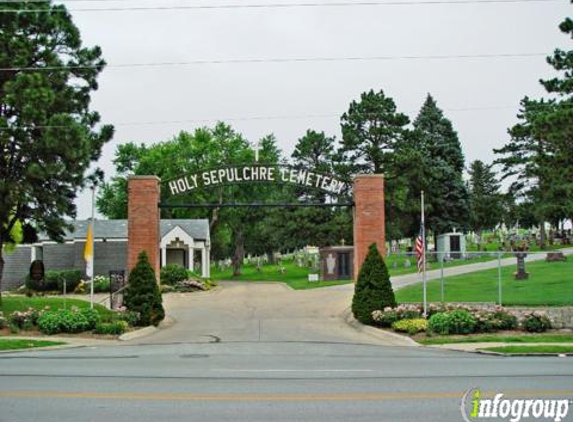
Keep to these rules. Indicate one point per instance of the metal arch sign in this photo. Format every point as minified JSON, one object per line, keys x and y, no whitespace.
{"x":254,"y":173}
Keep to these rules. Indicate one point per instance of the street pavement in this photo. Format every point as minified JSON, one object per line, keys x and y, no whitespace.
{"x":263,"y":381}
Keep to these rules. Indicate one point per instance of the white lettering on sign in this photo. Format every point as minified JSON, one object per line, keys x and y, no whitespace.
{"x":255,"y":173}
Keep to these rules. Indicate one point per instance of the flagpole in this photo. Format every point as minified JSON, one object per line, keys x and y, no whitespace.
{"x":424,"y":258}
{"x":93,"y":250}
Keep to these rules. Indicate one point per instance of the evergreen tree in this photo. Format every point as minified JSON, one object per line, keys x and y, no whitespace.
{"x":372,"y":128}
{"x":48,"y":135}
{"x":486,"y":201}
{"x":446,"y":192}
{"x":373,"y":290}
{"x":539,"y":157}
{"x":143,"y":295}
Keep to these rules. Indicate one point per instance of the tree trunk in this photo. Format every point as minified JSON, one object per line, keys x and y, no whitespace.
{"x":542,"y":237}
{"x":271,"y":257}
{"x":239,"y":253}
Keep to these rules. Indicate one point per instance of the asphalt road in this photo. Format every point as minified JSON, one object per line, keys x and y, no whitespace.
{"x":260,"y":381}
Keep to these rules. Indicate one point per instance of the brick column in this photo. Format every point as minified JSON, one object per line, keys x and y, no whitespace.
{"x":143,"y":220}
{"x":369,"y":219}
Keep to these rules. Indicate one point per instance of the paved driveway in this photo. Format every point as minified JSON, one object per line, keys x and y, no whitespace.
{"x":262,"y":312}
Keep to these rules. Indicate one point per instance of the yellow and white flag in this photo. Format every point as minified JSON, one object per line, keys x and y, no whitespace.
{"x":89,"y":253}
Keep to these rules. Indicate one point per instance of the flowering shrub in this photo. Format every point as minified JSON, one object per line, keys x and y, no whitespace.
{"x":410,"y":326}
{"x":498,"y":319}
{"x":189,"y":285}
{"x":536,"y":322}
{"x":24,"y":320}
{"x":390,"y":315}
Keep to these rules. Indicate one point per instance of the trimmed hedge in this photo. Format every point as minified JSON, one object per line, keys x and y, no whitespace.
{"x":54,"y":281}
{"x":172,"y":274}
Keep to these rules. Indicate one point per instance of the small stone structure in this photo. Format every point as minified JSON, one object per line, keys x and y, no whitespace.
{"x":336,"y":262}
{"x":556,"y":257}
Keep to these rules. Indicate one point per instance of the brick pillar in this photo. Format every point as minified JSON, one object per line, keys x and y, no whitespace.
{"x":143,"y":220}
{"x":369,"y":219}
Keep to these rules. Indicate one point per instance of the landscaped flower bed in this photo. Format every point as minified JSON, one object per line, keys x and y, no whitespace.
{"x":73,"y":320}
{"x":459,"y":319}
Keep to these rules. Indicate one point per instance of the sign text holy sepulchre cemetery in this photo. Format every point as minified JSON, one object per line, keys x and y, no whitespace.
{"x":256,"y":173}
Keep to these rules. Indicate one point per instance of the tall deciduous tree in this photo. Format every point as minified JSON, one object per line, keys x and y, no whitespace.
{"x":486,"y":201}
{"x":539,"y":157}
{"x":47,"y":130}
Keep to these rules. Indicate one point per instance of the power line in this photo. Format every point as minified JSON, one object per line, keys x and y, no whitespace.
{"x":268,"y":5}
{"x":254,"y":118}
{"x":279,"y":60}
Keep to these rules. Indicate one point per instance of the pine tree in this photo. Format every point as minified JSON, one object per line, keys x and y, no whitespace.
{"x":373,"y":289}
{"x":485,"y":199}
{"x":539,"y":157}
{"x":143,"y":295}
{"x":49,"y":136}
{"x":446,"y":192}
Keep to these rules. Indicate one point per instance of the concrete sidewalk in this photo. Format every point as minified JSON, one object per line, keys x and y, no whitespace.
{"x":409,"y":279}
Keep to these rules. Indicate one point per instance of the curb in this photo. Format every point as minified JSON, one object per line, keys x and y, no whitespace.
{"x":132,"y":335}
{"x":376,"y":332}
{"x":511,"y":355}
{"x":147,"y":331}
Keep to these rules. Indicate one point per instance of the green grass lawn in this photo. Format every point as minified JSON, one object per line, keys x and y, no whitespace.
{"x":500,"y":338}
{"x":14,"y":344}
{"x":548,"y":284}
{"x":531,"y":349}
{"x":22,"y":303}
{"x":294,"y":276}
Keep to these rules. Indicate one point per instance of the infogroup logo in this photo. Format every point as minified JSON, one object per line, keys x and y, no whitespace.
{"x":475,"y":407}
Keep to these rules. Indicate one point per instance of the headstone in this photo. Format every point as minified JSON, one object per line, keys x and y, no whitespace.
{"x":313,"y":278}
{"x":556,"y":257}
{"x":407,"y":263}
{"x":521,"y":274}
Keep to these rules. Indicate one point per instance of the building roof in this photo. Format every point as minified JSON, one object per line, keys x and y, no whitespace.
{"x":117,"y":229}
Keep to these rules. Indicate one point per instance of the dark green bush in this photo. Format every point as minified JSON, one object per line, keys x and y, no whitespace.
{"x":54,"y":281}
{"x":142,"y":294}
{"x":92,"y":317}
{"x":171,"y":274}
{"x":457,"y":321}
{"x":71,"y":277}
{"x":111,"y":328}
{"x":72,"y":322}
{"x":49,"y":323}
{"x":373,"y":289}
{"x":66,"y":321}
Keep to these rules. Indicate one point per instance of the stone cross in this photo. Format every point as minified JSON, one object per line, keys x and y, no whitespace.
{"x":257,"y":147}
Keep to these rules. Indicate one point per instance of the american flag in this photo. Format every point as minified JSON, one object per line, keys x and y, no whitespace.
{"x":420,"y":246}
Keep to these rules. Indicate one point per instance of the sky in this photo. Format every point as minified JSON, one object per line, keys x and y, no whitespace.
{"x":150,"y":104}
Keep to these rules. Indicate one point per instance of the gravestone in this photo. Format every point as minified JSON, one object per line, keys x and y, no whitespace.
{"x":407,"y":263}
{"x":556,"y":257}
{"x":521,"y":274}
